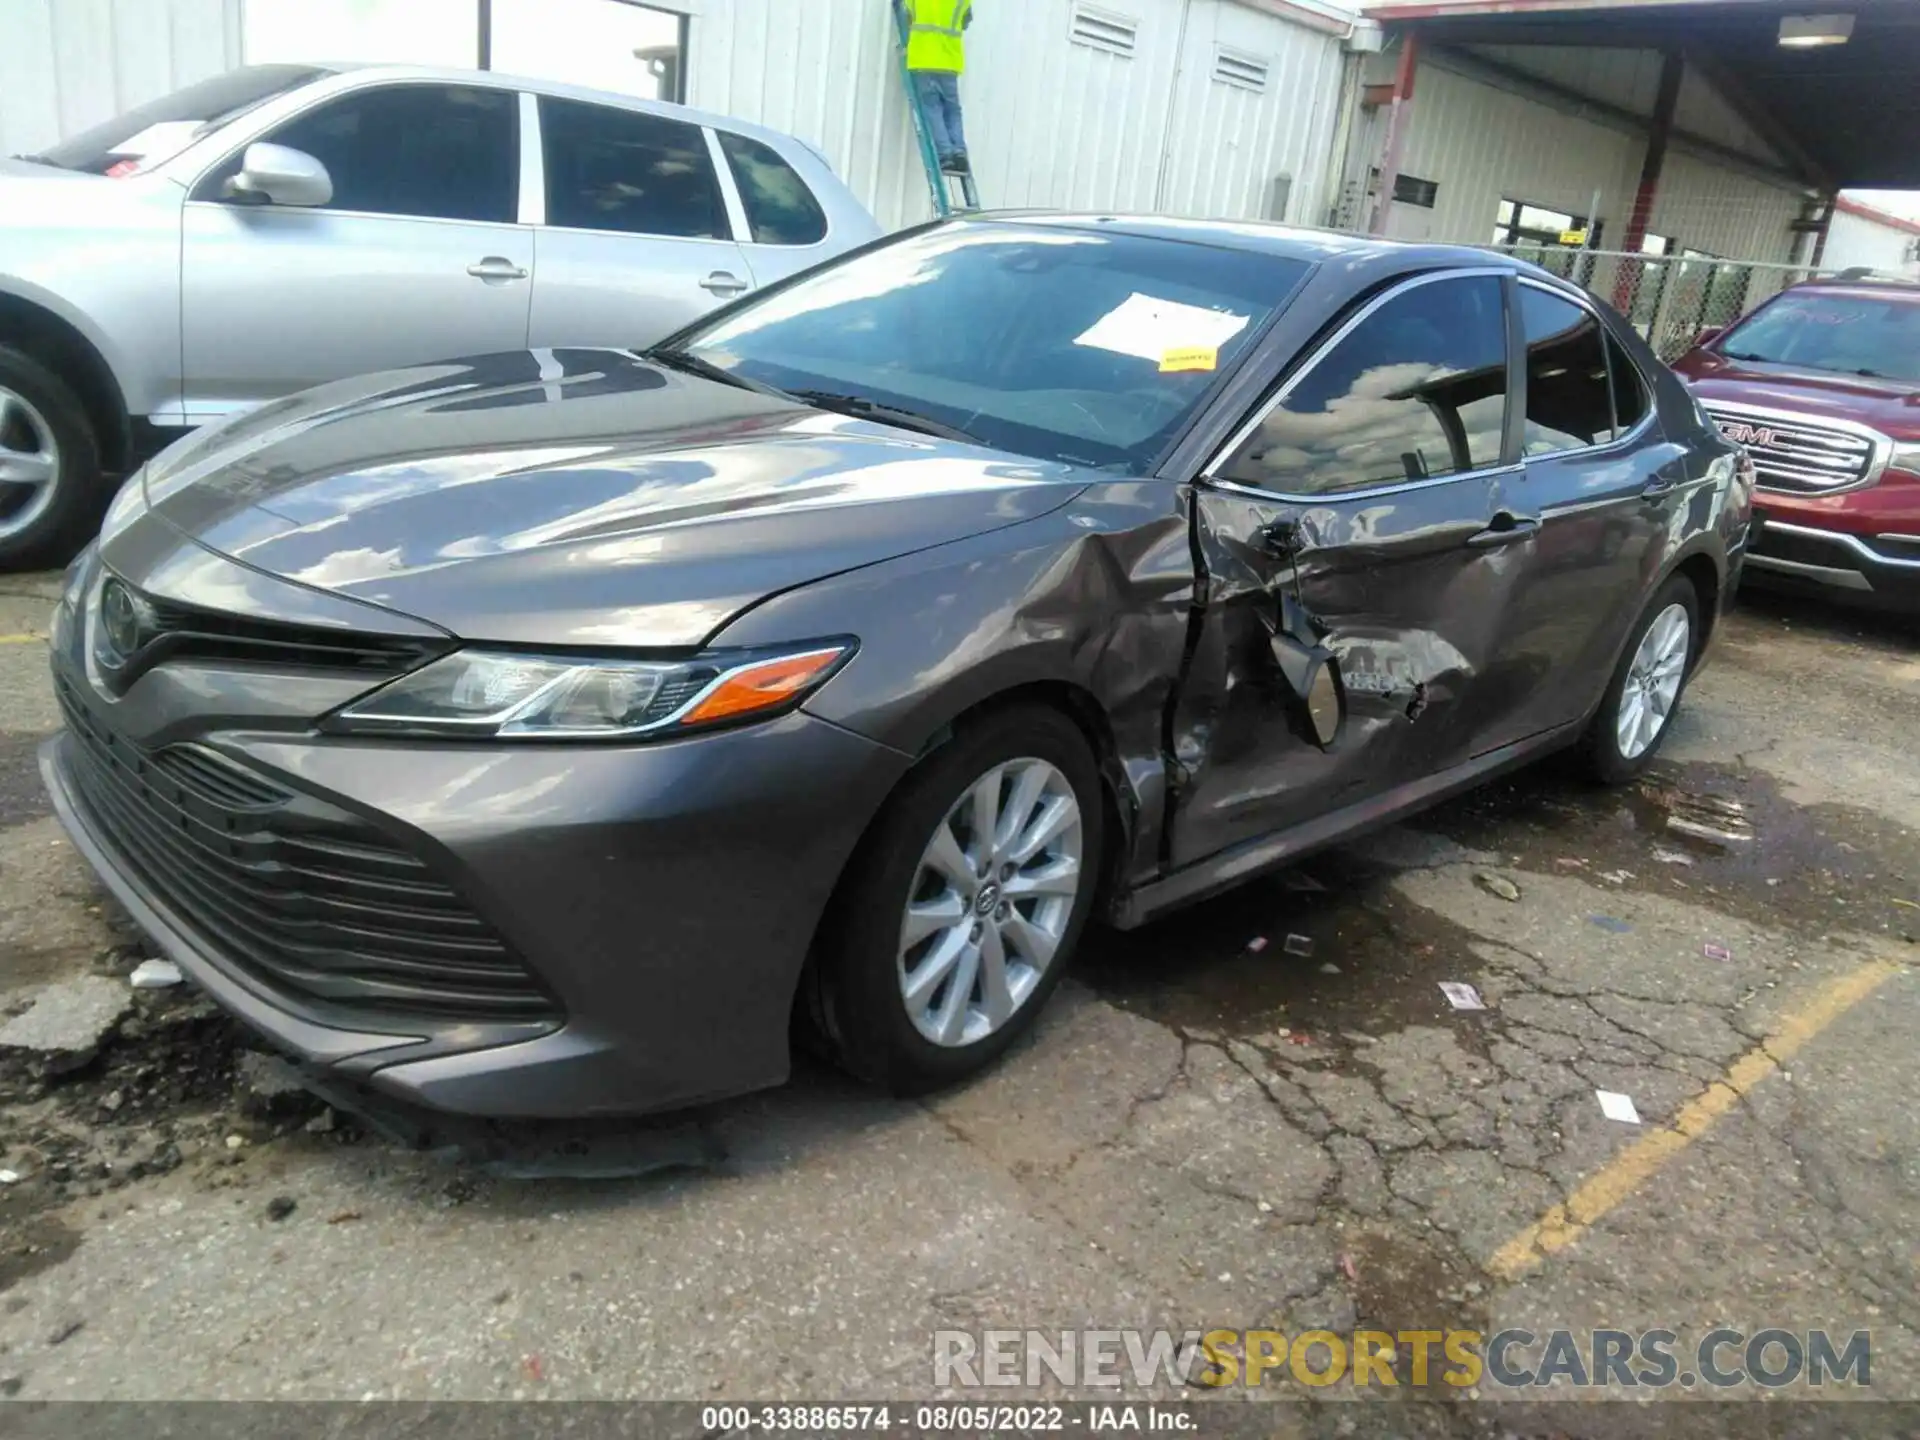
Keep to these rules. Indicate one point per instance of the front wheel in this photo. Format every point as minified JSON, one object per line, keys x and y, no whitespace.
{"x":1635,"y":714}
{"x":50,"y":488}
{"x":961,"y":907}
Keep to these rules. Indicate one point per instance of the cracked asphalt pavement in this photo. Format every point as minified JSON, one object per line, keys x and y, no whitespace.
{"x":1210,"y":1129}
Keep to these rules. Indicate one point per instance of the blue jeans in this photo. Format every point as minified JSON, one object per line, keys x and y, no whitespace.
{"x":939,"y":92}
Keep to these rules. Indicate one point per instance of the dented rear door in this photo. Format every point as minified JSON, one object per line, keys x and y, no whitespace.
{"x":1355,"y":521}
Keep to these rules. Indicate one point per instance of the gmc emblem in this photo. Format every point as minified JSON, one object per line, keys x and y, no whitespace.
{"x":1742,"y":433}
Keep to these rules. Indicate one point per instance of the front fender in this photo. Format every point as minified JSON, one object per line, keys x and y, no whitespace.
{"x":1094,"y":597}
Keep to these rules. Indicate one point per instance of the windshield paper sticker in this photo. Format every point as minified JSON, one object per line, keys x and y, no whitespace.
{"x":1153,"y":329}
{"x":1193,"y":357}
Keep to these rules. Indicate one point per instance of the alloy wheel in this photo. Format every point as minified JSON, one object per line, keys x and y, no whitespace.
{"x":29,"y":463}
{"x":990,"y":902}
{"x":1653,"y":681}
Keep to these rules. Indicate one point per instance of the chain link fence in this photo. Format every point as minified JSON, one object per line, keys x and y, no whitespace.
{"x":1668,"y":298}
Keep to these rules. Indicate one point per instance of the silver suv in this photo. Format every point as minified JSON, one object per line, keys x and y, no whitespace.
{"x":282,"y":225}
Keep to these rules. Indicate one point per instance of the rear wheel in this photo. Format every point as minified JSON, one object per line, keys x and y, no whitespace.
{"x":1635,"y":714}
{"x":962,"y":906}
{"x":50,"y":490}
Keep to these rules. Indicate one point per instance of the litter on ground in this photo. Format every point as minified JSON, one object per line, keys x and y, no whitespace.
{"x":1716,"y":952}
{"x":1609,"y":924}
{"x":1298,"y":945}
{"x":1617,"y":1107}
{"x":1498,"y":885}
{"x":154,"y":975}
{"x":1461,"y":995}
{"x":1257,"y":944}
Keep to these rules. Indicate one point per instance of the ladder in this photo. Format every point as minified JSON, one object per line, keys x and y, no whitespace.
{"x":939,"y":183}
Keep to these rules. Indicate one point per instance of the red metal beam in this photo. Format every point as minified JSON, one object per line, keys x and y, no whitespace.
{"x":1673,"y":70}
{"x":1396,"y":138}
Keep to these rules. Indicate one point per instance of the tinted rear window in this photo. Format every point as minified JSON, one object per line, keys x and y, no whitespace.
{"x":781,"y":209}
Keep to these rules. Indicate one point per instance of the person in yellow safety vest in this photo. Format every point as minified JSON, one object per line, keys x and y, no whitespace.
{"x":936,"y":54}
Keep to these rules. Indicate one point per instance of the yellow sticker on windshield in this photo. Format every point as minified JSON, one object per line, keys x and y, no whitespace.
{"x":1190,"y":357}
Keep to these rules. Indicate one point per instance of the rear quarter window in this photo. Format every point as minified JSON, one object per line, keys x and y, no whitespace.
{"x":781,"y":210}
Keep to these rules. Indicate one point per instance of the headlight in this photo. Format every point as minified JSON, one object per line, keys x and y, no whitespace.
{"x":1906,"y":457}
{"x":499,"y":693}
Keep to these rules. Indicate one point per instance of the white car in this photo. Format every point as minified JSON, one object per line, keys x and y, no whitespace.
{"x":279,"y":226}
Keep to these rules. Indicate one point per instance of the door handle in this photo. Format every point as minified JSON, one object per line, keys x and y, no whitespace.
{"x":1660,"y":485}
{"x":722,"y":282}
{"x":496,"y":267}
{"x":1505,"y":528}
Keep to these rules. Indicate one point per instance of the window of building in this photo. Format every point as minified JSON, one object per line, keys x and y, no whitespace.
{"x":613,"y":169}
{"x":780,"y":208}
{"x":1569,"y":404}
{"x":450,"y":152}
{"x":1416,"y":390}
{"x":1412,"y":190}
{"x":1517,"y":222}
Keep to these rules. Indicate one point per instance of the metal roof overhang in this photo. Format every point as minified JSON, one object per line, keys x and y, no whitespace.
{"x":1838,"y":115}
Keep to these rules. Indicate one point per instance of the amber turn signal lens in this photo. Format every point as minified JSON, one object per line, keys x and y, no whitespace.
{"x":761,"y":686}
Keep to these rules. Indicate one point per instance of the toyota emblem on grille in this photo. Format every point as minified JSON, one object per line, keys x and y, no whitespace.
{"x":1742,"y":433}
{"x":120,"y":620}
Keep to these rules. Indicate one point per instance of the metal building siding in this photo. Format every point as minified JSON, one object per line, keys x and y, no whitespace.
{"x":1701,"y":111}
{"x":1627,"y":79}
{"x":1227,"y":142}
{"x":1050,"y":123}
{"x":1725,"y":212}
{"x":1481,"y":144}
{"x":68,"y":64}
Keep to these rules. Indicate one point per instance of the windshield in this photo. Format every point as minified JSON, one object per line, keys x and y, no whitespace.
{"x":1073,"y":345}
{"x":157,"y":131}
{"x":1851,"y":334}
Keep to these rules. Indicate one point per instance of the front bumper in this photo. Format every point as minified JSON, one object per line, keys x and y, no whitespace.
{"x":664,"y":894}
{"x":1882,"y":571}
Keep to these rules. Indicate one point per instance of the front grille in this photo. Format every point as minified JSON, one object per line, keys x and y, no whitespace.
{"x":309,"y":900}
{"x":185,"y":631}
{"x":1794,"y":454}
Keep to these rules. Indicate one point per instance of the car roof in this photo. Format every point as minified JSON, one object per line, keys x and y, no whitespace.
{"x":503,"y":80}
{"x":1863,"y":288}
{"x":1368,"y":255}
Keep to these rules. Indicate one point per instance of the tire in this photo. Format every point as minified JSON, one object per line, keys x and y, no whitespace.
{"x":44,"y":428}
{"x":859,"y":1003}
{"x":1612,"y":759}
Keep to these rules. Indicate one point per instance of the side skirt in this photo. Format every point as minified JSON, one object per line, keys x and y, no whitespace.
{"x":1208,"y":877}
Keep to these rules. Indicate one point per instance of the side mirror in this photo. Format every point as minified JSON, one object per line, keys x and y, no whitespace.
{"x":1708,"y":334}
{"x":277,"y":175}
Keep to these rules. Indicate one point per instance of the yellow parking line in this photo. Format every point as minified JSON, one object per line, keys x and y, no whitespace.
{"x":1640,"y":1161}
{"x":21,"y":639}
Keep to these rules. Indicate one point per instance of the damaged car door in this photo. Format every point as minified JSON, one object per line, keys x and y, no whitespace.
{"x":1355,"y":540}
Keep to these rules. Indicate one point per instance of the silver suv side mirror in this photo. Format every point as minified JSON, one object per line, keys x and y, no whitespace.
{"x":280,"y":176}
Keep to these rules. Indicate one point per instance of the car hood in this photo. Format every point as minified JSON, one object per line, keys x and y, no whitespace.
{"x":576,"y":497}
{"x":1891,"y":406}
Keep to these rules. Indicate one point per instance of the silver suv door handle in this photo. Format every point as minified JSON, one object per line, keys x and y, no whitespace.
{"x":496,"y":267}
{"x":723,"y":282}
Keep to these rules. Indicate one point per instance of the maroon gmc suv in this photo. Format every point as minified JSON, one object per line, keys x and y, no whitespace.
{"x":1822,"y":385}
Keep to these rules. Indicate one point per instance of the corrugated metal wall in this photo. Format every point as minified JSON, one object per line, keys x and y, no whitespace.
{"x":68,"y":64}
{"x":1228,"y":142}
{"x":1049,"y":122}
{"x":1861,"y":240}
{"x":1481,"y":144}
{"x":1723,"y":212}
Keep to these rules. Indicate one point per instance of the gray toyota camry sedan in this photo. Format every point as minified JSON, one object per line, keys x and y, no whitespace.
{"x":557,"y":732}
